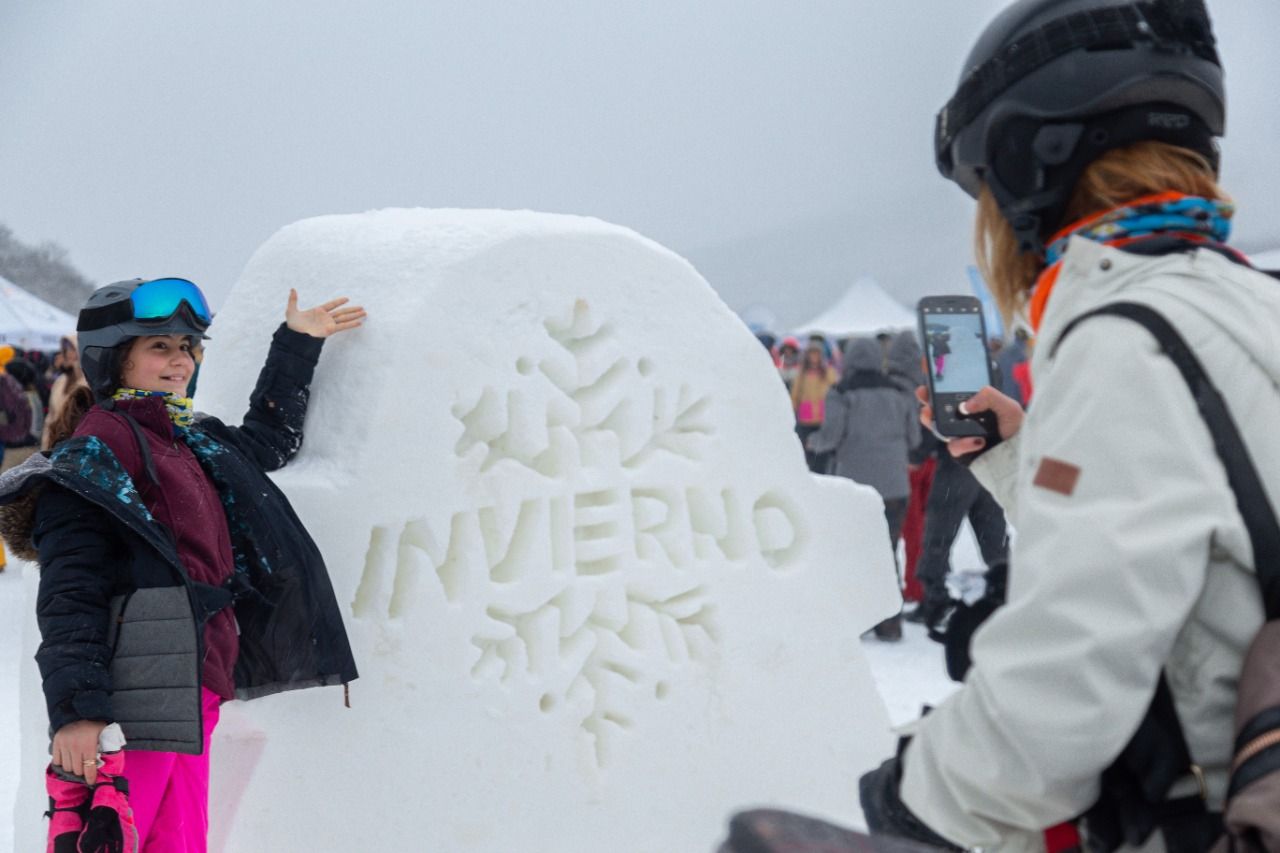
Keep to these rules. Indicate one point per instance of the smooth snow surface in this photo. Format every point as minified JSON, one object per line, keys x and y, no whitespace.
{"x":597,"y":600}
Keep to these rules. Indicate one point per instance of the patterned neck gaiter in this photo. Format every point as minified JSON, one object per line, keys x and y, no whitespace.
{"x":179,"y":408}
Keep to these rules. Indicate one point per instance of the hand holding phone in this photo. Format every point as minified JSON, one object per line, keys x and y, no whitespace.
{"x":1008,"y":413}
{"x":957,"y":364}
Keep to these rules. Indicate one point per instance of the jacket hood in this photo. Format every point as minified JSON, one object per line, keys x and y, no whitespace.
{"x":862,"y":354}
{"x":84,"y":464}
{"x":20,"y":487}
{"x":1239,"y":300}
{"x":905,"y":355}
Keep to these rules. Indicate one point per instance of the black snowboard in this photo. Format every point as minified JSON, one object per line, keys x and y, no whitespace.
{"x":773,"y":831}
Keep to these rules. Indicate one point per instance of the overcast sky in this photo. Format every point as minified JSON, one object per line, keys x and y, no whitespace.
{"x":784,"y":146}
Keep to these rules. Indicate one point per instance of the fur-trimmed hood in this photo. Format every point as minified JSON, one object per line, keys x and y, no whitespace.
{"x":20,"y":488}
{"x":85,"y":465}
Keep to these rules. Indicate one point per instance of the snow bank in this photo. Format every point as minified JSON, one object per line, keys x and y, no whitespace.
{"x":596,"y":599}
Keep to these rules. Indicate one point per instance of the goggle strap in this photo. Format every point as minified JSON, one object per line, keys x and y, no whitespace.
{"x":104,"y":315}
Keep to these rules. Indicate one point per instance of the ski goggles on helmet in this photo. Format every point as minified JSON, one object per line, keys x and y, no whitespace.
{"x":161,"y":298}
{"x":139,"y":307}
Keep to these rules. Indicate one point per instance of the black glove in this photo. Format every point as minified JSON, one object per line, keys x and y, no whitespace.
{"x":956,"y":626}
{"x":885,"y":812}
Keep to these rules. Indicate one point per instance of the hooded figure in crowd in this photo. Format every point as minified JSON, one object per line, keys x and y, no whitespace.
{"x":870,"y":428}
{"x":789,"y":361}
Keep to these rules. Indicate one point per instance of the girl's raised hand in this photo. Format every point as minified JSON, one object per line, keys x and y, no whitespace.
{"x":323,"y":320}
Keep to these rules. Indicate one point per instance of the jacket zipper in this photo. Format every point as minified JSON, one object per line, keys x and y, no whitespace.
{"x":124,"y":606}
{"x":1252,"y":748}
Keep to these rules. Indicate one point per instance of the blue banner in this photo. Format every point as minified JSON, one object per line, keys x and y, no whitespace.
{"x":991,"y":313}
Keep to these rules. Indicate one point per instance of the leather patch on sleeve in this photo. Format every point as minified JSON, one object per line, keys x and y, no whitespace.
{"x":1057,"y":476}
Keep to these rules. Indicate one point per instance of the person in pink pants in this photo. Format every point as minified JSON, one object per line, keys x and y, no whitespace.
{"x":174,"y":575}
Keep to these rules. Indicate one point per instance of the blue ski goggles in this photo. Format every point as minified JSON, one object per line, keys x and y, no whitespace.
{"x":161,"y":298}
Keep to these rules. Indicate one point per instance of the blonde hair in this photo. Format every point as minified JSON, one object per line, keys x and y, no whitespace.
{"x":1116,"y":178}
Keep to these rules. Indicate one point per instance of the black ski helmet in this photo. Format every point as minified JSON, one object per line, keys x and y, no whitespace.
{"x":110,"y":318}
{"x":1052,"y":85}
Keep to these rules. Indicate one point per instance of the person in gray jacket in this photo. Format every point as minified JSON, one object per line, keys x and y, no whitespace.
{"x":870,"y":427}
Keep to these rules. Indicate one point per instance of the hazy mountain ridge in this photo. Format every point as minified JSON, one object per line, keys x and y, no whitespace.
{"x":44,"y":271}
{"x":799,"y":270}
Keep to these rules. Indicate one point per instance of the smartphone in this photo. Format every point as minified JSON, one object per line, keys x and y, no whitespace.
{"x":957,"y":363}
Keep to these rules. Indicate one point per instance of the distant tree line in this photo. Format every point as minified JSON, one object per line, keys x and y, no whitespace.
{"x":43,"y":271}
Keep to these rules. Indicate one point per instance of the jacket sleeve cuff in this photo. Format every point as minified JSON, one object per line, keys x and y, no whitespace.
{"x":290,"y":363}
{"x":996,"y":470}
{"x":297,"y":344}
{"x":885,"y":812}
{"x":88,"y":705}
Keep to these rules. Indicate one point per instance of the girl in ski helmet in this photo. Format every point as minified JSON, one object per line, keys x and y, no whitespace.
{"x":174,"y":574}
{"x":1086,"y":130}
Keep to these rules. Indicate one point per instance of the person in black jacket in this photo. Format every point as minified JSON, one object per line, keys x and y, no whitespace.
{"x":174,"y":574}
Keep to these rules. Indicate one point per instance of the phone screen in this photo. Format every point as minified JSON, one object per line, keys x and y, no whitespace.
{"x":956,"y":350}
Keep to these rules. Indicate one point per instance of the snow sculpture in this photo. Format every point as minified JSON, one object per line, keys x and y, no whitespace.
{"x":597,"y":601}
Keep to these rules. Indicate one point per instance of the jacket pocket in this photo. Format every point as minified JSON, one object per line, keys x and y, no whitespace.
{"x":119,"y":605}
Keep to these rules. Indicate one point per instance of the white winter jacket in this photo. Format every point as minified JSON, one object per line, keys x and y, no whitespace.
{"x":1130,"y":554}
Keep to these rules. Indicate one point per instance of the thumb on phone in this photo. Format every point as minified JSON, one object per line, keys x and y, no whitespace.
{"x":1008,"y":412}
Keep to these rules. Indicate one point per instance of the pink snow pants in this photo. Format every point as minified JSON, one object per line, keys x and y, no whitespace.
{"x":169,"y":793}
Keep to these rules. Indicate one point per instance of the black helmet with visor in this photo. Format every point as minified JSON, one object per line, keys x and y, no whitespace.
{"x":1052,"y":85}
{"x":119,"y":312}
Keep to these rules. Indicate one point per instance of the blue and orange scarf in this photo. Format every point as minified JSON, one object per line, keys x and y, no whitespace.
{"x":1170,"y":214}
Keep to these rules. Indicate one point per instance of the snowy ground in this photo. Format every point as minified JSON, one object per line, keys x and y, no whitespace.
{"x":909,"y":673}
{"x":10,"y":659}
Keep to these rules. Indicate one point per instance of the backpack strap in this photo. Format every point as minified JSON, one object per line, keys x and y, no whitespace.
{"x":144,"y":449}
{"x":1142,"y":773}
{"x":1251,"y":498}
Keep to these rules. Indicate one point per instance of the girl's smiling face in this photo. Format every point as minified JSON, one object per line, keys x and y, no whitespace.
{"x":159,"y":363}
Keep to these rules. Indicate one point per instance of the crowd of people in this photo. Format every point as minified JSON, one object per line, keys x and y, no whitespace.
{"x":34,"y":386}
{"x":857,"y":416}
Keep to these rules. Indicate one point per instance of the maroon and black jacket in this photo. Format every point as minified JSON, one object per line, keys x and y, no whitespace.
{"x":179,"y":495}
{"x":122,"y":613}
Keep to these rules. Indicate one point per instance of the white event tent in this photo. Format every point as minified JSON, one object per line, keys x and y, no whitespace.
{"x":29,"y":322}
{"x":864,"y":309}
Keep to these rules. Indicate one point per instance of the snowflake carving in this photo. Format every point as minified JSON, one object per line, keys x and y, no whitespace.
{"x":593,"y":590}
{"x":613,"y":611}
